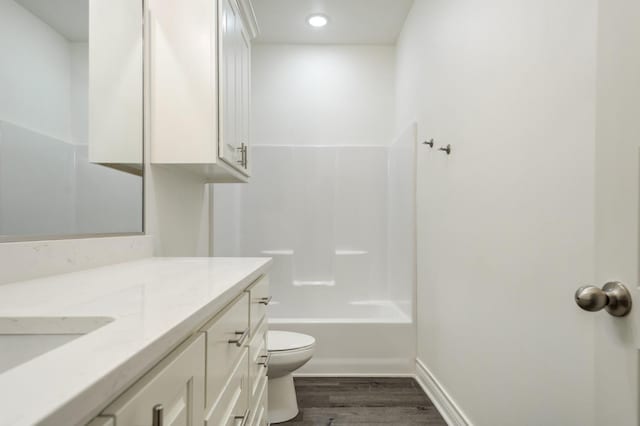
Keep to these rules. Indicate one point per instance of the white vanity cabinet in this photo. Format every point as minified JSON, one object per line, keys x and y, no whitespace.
{"x":199,"y":86}
{"x":171,"y":394}
{"x":218,"y":376}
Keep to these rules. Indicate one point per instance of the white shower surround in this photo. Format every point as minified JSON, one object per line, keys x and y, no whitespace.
{"x":335,"y":219}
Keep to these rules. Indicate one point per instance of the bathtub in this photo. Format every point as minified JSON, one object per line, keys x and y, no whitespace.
{"x":355,"y":312}
{"x":359,"y":338}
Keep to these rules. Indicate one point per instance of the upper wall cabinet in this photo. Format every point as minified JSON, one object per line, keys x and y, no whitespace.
{"x":115,"y":84}
{"x":199,"y":86}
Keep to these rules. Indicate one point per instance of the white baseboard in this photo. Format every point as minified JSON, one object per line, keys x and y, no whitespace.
{"x":447,"y":407}
{"x":374,"y":375}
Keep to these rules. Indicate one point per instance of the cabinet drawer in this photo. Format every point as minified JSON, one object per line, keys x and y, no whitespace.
{"x":176,"y":385}
{"x":227,"y":340}
{"x":258,"y":357}
{"x":232,"y":405}
{"x":259,"y":409}
{"x":259,"y":300}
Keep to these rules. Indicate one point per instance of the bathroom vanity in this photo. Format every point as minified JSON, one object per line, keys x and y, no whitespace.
{"x":173,"y":341}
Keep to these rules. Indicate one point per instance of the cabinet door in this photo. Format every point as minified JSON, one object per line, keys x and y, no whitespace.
{"x":227,"y":337}
{"x":245,"y":94}
{"x":115,"y":82}
{"x":233,"y":86}
{"x":175,"y":386}
{"x":182,"y":77}
{"x":231,"y":407}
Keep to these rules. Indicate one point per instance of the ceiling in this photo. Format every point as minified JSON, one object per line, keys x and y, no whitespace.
{"x":70,"y":18}
{"x":350,"y":21}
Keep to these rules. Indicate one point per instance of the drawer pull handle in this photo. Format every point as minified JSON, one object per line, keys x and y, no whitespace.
{"x":265,"y":300}
{"x":267,"y":359}
{"x":158,"y":415}
{"x":240,"y":340}
{"x":244,"y":418}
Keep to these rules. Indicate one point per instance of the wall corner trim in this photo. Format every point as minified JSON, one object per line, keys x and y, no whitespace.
{"x":447,"y":407}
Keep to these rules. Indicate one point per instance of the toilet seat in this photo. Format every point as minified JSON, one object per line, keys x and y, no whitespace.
{"x":284,"y":341}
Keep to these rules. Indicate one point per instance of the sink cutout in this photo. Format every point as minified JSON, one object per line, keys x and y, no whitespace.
{"x":25,"y":338}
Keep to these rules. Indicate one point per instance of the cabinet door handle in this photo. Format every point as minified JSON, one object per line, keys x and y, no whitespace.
{"x":158,"y":415}
{"x":240,"y":340}
{"x":244,"y":418}
{"x":267,"y":360}
{"x":243,"y":155}
{"x":241,"y":160}
{"x":265,"y":300}
{"x":246,"y":156}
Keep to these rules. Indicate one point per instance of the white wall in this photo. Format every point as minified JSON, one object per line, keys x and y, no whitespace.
{"x":322,"y":95}
{"x":505,"y":224}
{"x":177,"y":207}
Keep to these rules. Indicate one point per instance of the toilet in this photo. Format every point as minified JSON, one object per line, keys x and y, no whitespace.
{"x":288,"y":352}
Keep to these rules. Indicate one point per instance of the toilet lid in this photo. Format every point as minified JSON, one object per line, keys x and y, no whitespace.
{"x":287,"y":341}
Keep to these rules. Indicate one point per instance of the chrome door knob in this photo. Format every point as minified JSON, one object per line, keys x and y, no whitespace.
{"x":614,"y":297}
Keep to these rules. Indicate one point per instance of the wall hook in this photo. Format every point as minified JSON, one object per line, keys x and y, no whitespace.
{"x":446,"y":149}
{"x":430,"y":143}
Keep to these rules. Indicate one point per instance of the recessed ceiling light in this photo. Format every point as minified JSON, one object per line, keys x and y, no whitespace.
{"x":317,"y":21}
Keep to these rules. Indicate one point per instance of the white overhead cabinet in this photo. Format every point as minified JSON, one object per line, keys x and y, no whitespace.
{"x":115,"y":84}
{"x":199,"y":86}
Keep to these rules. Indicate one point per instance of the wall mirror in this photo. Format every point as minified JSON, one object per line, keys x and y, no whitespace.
{"x":71,"y":118}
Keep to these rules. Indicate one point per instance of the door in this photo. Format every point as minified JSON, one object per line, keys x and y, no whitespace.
{"x":538,"y":197}
{"x":234,"y":57}
{"x":617,"y":208}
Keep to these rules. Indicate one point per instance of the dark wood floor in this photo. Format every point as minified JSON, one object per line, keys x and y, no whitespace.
{"x":363,"y":401}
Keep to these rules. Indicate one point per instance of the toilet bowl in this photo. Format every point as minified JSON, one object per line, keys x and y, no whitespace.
{"x":288,"y":351}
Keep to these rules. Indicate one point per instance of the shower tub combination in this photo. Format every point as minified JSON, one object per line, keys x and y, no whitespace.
{"x":339,"y":223}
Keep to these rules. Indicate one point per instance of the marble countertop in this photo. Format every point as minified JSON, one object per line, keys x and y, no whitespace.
{"x":155,"y":304}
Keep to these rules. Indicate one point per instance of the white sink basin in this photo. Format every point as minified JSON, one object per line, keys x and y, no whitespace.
{"x":25,"y":338}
